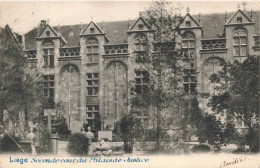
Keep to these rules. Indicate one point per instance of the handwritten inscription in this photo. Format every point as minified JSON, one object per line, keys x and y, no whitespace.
{"x":233,"y":162}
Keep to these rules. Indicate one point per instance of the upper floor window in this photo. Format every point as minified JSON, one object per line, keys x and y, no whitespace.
{"x":92,"y":110}
{"x":48,"y":33}
{"x":92,"y":30}
{"x":92,"y":50}
{"x":239,"y":19}
{"x":92,"y":84}
{"x":48,"y":54}
{"x":240,"y":42}
{"x":48,"y":89}
{"x":188,"y":24}
{"x":141,"y":82}
{"x":188,"y":45}
{"x":189,"y":81}
{"x":140,"y":42}
{"x":140,"y":26}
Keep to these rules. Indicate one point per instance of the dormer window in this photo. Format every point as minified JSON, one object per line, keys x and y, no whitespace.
{"x":140,"y":26}
{"x":239,"y":19}
{"x":48,"y":33}
{"x":187,"y":23}
{"x":92,"y":30}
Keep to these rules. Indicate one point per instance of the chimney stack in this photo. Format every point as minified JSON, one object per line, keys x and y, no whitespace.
{"x":41,"y":27}
{"x":43,"y":23}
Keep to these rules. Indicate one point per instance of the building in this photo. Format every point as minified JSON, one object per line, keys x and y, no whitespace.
{"x":87,"y":68}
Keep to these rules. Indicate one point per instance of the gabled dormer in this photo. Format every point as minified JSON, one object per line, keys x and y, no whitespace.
{"x":46,"y":31}
{"x":188,"y":22}
{"x":140,"y":26}
{"x":239,"y":18}
{"x":93,"y":29}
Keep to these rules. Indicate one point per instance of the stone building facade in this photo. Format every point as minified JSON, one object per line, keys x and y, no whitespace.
{"x":87,"y":68}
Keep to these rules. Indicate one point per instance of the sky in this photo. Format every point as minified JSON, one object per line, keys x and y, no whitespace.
{"x":24,"y":16}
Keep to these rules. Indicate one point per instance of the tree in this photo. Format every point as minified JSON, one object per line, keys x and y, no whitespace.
{"x":161,"y":71}
{"x":130,"y":128}
{"x":20,"y":91}
{"x":238,"y":95}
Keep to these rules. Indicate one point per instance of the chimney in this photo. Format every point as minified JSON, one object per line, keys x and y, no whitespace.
{"x":41,"y":27}
{"x":43,"y":23}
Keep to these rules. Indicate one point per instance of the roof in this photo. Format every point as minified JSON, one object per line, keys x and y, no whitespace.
{"x":116,"y":32}
{"x":14,"y":36}
{"x":213,"y":27}
{"x":213,"y":24}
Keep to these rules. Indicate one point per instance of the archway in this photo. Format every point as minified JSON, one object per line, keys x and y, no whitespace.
{"x":115,"y":92}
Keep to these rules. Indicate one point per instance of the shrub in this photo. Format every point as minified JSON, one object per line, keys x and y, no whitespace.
{"x":62,"y":128}
{"x":8,"y":144}
{"x":78,"y":144}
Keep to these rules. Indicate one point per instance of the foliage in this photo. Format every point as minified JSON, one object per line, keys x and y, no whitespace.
{"x":130,"y":128}
{"x":159,"y":99}
{"x":19,"y":87}
{"x":62,"y":128}
{"x":78,"y":144}
{"x":8,"y":145}
{"x":238,"y":96}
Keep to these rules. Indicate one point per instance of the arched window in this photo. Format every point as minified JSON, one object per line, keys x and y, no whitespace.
{"x":48,"y":54}
{"x":188,"y":45}
{"x":92,"y":50}
{"x":240,"y":42}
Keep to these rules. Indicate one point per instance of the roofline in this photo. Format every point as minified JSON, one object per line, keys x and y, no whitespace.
{"x":143,"y":21}
{"x":95,"y":25}
{"x":239,"y":10}
{"x":60,"y":36}
{"x":136,"y":31}
{"x":188,"y":14}
{"x":239,"y":24}
{"x":103,"y":34}
{"x":10,"y":31}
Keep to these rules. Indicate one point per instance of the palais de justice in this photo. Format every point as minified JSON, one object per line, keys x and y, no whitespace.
{"x":87,"y":68}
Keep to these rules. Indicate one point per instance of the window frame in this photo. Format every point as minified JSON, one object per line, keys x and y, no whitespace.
{"x":92,"y":51}
{"x":49,"y":87}
{"x":92,"y":88}
{"x":93,"y":111}
{"x":143,"y":83}
{"x":191,"y":50}
{"x":48,"y":57}
{"x":240,"y":45}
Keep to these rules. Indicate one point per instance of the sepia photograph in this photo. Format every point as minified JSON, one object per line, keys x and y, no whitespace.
{"x":129,"y":84}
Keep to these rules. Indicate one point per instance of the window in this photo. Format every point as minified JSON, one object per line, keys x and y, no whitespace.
{"x":141,"y":82}
{"x":188,"y":24}
{"x":140,"y":26}
{"x":188,"y":45}
{"x":92,"y":51}
{"x":48,"y":33}
{"x":240,"y":42}
{"x":92,"y":30}
{"x":48,"y":54}
{"x":48,"y":89}
{"x":189,"y":81}
{"x":239,"y":19}
{"x":140,"y":42}
{"x":92,"y":84}
{"x":92,"y":111}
